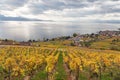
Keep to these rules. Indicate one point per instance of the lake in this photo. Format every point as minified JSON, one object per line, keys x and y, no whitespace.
{"x":18,"y":30}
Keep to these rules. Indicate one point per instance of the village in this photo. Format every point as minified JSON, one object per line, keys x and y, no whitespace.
{"x":101,"y":35}
{"x":81,"y":40}
{"x":11,"y":42}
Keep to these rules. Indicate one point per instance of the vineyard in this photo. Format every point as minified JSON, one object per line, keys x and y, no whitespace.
{"x":58,"y":63}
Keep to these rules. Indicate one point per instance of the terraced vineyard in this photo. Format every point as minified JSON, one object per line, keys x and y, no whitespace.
{"x":58,"y":63}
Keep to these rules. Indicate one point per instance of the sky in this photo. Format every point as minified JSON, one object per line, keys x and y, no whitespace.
{"x":96,"y":11}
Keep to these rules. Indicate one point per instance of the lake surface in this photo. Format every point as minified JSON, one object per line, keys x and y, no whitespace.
{"x":38,"y":30}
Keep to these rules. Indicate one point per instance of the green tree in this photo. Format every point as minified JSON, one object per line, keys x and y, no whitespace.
{"x":74,"y":34}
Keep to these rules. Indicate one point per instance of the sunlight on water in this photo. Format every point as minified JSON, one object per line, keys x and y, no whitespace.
{"x":39,"y":30}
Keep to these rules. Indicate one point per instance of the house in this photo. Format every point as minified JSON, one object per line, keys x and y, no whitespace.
{"x":77,"y":40}
{"x":9,"y":42}
{"x":25,"y":43}
{"x":109,"y":33}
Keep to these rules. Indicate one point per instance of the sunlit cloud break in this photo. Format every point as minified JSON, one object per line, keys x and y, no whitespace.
{"x":95,"y":11}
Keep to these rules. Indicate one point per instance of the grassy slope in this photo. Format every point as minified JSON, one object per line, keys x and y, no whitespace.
{"x":61,"y":75}
{"x":40,"y":76}
{"x":105,"y":44}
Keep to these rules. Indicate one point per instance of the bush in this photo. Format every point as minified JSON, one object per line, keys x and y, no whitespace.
{"x":117,"y":77}
{"x":87,"y":44}
{"x":115,"y":48}
{"x":72,"y":44}
{"x":102,"y":48}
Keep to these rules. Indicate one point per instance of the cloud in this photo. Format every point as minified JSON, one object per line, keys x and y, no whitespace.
{"x":63,"y":10}
{"x":4,"y":18}
{"x":11,"y":4}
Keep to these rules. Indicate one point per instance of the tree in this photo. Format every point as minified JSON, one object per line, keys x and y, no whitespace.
{"x":34,"y":41}
{"x":30,"y":40}
{"x":6,"y":39}
{"x":119,"y":30}
{"x":74,"y":34}
{"x":92,"y":35}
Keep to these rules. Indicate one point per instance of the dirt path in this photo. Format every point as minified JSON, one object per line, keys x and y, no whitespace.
{"x":67,"y":72}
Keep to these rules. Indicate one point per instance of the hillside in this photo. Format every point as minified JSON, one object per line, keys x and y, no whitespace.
{"x":112,"y":43}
